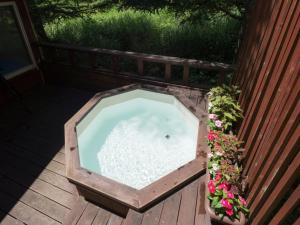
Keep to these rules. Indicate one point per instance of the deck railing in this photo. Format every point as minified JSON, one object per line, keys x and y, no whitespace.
{"x":139,"y":59}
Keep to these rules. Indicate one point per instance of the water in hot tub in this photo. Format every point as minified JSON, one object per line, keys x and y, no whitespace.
{"x":138,"y":141}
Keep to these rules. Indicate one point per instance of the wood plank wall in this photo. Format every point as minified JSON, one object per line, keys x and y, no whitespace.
{"x":268,"y":75}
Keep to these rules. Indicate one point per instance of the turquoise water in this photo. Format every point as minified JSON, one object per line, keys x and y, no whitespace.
{"x":138,"y":141}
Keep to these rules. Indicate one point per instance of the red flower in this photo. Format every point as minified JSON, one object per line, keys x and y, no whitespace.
{"x":212,"y":136}
{"x":211,"y":187}
{"x":225,"y":186}
{"x":229,"y":212}
{"x":242,"y":200}
{"x":230,"y":195}
{"x":218,"y":176}
{"x":225,"y":203}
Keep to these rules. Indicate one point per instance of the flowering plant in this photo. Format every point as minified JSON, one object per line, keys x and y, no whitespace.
{"x":225,"y":111}
{"x":224,"y":158}
{"x":225,"y":200}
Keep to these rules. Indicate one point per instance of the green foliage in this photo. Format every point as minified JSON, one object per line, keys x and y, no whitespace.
{"x":225,"y":106}
{"x":154,"y":33}
{"x":193,"y":10}
{"x":231,"y":91}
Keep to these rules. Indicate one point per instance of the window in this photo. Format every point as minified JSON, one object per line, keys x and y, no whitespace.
{"x":15,"y":52}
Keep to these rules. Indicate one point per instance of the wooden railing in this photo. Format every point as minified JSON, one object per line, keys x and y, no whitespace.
{"x":220,"y":69}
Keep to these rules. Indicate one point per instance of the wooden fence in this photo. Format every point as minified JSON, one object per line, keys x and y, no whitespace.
{"x":93,"y":56}
{"x":268,"y":75}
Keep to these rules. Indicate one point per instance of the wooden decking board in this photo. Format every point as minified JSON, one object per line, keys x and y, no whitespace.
{"x":60,"y":157}
{"x":33,"y":186}
{"x":6,"y":219}
{"x":133,"y":218}
{"x":33,"y":199}
{"x":102,"y":217}
{"x":152,"y":216}
{"x":38,"y":160}
{"x":36,"y":170}
{"x":77,"y":210}
{"x":115,"y":220}
{"x":57,"y":167}
{"x":36,"y":144}
{"x":53,"y":166}
{"x":23,"y":212}
{"x":88,"y":215}
{"x":200,"y":214}
{"x":188,"y":204}
{"x":170,"y":210}
{"x":62,"y":197}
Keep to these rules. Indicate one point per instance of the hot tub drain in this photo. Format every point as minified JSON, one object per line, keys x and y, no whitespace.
{"x":167,"y":136}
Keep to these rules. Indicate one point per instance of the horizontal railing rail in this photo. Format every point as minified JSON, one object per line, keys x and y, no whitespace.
{"x":221,"y":69}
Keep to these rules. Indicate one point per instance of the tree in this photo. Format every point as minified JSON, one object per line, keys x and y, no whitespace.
{"x":44,"y":11}
{"x":193,"y":9}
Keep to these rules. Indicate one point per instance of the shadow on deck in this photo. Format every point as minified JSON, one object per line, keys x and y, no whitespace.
{"x":34,"y":189}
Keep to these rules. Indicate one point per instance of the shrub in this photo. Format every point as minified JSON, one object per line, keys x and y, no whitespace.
{"x":162,"y":33}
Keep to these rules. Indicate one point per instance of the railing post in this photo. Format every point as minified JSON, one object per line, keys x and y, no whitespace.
{"x":71,"y":57}
{"x":140,"y":65}
{"x":167,"y":71}
{"x":116,"y":63}
{"x":186,"y":73}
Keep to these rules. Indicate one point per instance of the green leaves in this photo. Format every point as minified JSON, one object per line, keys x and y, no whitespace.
{"x":225,"y":106}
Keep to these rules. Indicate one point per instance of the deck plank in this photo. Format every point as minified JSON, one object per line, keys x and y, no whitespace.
{"x":152,"y":216}
{"x":36,"y":159}
{"x":33,"y":199}
{"x":88,"y":215}
{"x":102,"y":217}
{"x":170,"y":209}
{"x":133,"y":218}
{"x":200,"y":215}
{"x":77,"y":211}
{"x":60,"y":157}
{"x":36,"y":170}
{"x":6,"y":219}
{"x":115,"y":220}
{"x":188,"y":204}
{"x":23,"y":212}
{"x":62,"y":197}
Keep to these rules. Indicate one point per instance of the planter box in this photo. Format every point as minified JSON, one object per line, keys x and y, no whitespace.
{"x":211,"y":212}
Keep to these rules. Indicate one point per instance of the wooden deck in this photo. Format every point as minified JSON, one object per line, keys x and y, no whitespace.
{"x":33,"y":186}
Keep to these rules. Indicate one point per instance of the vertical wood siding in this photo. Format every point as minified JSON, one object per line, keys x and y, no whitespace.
{"x":268,"y":75}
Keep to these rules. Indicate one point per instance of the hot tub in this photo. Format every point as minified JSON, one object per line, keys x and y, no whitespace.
{"x":129,"y":147}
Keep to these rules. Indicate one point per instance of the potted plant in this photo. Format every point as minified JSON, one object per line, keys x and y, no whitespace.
{"x":224,"y":202}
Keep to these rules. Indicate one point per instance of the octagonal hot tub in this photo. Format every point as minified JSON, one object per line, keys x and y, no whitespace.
{"x":129,"y":147}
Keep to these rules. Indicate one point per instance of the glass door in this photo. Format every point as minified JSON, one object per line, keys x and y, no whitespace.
{"x":15,"y":53}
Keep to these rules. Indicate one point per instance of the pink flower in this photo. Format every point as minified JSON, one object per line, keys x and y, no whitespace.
{"x":212,"y":116}
{"x":242,"y":200}
{"x":211,"y":187}
{"x":230,"y":195}
{"x":218,"y":123}
{"x":218,"y":176}
{"x":225,"y":186}
{"x":229,"y":212}
{"x":212,"y":136}
{"x":225,"y":203}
